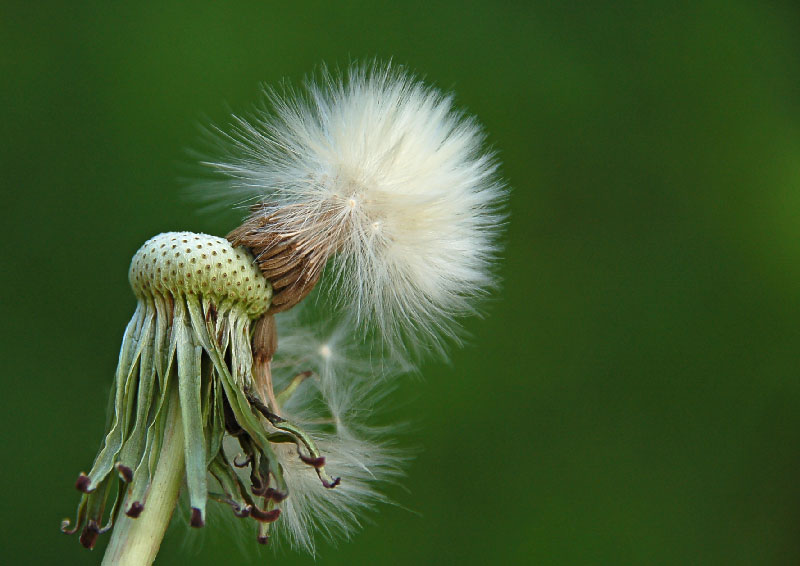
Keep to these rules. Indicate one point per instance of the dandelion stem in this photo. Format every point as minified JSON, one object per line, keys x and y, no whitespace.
{"x":135,"y":542}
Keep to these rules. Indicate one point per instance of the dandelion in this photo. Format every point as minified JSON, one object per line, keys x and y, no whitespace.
{"x":372,"y":177}
{"x":378,"y":172}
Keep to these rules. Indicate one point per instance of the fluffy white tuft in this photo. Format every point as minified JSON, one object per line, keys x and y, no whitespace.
{"x":379,"y":172}
{"x":334,"y":406}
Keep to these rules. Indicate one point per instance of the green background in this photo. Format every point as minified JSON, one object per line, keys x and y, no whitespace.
{"x":632,"y":396}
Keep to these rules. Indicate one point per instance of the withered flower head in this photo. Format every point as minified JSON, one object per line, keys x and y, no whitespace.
{"x":187,"y":374}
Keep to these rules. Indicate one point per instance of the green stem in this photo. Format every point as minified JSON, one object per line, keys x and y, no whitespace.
{"x":135,"y":542}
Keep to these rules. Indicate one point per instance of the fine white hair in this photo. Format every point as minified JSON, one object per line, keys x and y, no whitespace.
{"x":379,"y":172}
{"x":336,"y":406}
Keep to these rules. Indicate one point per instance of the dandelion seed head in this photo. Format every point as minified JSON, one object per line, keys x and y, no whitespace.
{"x":379,"y":173}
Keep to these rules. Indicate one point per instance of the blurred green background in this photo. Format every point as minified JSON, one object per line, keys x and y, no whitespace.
{"x":632,"y":396}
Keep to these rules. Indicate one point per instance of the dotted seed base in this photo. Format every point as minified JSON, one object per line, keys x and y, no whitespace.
{"x":185,"y":262}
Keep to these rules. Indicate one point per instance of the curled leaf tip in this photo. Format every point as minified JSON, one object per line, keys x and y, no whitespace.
{"x":197,"y":518}
{"x":135,"y":510}
{"x":125,"y":473}
{"x":82,"y":483}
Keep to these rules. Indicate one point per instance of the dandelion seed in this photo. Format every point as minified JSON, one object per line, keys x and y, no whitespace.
{"x":334,"y":404}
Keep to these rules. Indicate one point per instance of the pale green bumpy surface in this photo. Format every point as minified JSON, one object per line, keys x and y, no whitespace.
{"x":184,"y":262}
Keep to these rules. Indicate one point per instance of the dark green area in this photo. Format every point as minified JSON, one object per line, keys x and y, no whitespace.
{"x":632,"y":396}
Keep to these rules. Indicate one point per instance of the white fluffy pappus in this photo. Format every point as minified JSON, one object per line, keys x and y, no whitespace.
{"x":334,"y":406}
{"x":379,"y":172}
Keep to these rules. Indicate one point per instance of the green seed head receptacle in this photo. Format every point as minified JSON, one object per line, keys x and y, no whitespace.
{"x":180,"y":263}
